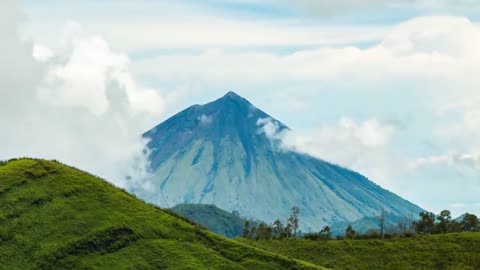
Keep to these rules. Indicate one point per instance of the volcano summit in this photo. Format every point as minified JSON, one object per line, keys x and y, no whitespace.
{"x":219,"y":153}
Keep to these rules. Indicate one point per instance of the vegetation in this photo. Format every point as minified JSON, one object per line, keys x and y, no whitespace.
{"x":381,"y":220}
{"x":214,"y":218}
{"x":409,"y":246}
{"x":324,"y":234}
{"x":443,"y":251}
{"x":427,"y":224}
{"x":350,"y":232}
{"x":275,"y":231}
{"x":444,"y":223}
{"x":56,"y":217}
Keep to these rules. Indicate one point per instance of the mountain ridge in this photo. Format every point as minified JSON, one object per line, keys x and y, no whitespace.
{"x":214,"y":219}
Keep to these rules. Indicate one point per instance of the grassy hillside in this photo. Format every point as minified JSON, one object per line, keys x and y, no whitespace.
{"x":447,"y":251}
{"x":56,"y":217}
{"x":213,"y":218}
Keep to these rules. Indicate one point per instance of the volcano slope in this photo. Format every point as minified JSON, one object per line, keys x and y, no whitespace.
{"x":56,"y":217}
{"x":224,"y":153}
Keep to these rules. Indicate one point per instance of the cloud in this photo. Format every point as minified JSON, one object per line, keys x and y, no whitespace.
{"x":270,"y":128}
{"x":80,"y":104}
{"x":355,"y":145}
{"x":458,"y":122}
{"x":42,"y":53}
{"x":90,"y":71}
{"x":467,"y":115}
{"x":201,"y":31}
{"x":205,"y":120}
{"x":424,"y":50}
{"x":467,"y":160}
{"x":330,"y":8}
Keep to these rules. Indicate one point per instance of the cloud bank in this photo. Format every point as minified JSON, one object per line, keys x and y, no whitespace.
{"x":330,"y":8}
{"x":421,"y":50}
{"x":79,"y":104}
{"x":347,"y":143}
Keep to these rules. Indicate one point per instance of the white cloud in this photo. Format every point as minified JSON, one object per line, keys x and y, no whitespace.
{"x":329,"y":8}
{"x":221,"y":33}
{"x":458,"y":121}
{"x":370,"y":133}
{"x":424,"y":50}
{"x":79,"y":105}
{"x":204,"y":31}
{"x":471,"y":160}
{"x":359,"y":146}
{"x":271,"y":128}
{"x":42,"y":53}
{"x":455,"y":37}
{"x":205,"y":120}
{"x":90,"y":70}
{"x":467,"y":113}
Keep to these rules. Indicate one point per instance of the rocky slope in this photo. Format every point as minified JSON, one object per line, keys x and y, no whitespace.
{"x":217,"y":154}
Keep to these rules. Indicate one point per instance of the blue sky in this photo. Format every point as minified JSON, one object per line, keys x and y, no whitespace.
{"x":388,"y":89}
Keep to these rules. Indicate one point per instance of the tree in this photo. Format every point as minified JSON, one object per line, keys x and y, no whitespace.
{"x":268,"y":232}
{"x":288,"y":230}
{"x":469,"y":223}
{"x":311,"y":236}
{"x":402,"y":227}
{"x":263,"y":232}
{"x":325,"y":233}
{"x":444,"y":219}
{"x":349,"y":232}
{"x":381,"y":220}
{"x":294,"y":220}
{"x":405,"y":226}
{"x":454,"y":226}
{"x":253,"y":233}
{"x":277,"y":228}
{"x":426,"y":223}
{"x":246,"y":229}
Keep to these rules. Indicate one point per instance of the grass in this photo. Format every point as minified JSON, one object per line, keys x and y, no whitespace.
{"x":447,"y":251}
{"x":56,"y":217}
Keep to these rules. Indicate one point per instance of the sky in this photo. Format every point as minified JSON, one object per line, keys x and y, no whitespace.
{"x":387,"y":89}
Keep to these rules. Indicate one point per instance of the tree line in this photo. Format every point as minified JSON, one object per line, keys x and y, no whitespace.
{"x":427,"y":223}
{"x":278,"y":230}
{"x":443,"y":223}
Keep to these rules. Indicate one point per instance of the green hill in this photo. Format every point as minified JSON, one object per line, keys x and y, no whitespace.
{"x":56,"y":217}
{"x":213,"y":218}
{"x":443,"y":251}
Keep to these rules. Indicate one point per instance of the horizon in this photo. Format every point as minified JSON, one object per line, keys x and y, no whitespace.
{"x":392,"y":96}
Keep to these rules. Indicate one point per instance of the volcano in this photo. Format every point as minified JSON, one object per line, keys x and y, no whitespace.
{"x":219,"y":153}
